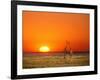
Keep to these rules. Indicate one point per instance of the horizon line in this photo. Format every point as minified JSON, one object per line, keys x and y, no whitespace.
{"x":58,"y":52}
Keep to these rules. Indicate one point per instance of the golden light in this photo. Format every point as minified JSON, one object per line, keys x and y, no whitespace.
{"x":44,"y":49}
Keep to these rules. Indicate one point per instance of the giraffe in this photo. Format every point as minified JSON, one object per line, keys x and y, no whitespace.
{"x":67,"y":50}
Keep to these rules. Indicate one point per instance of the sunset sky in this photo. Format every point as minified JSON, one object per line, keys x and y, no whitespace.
{"x":53,"y":29}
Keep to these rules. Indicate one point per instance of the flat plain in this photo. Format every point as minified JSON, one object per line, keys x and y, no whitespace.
{"x":43,"y":60}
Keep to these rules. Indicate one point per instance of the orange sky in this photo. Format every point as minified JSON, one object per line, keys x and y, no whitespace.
{"x":53,"y":29}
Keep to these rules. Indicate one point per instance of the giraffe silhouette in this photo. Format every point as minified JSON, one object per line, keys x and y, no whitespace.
{"x":67,"y":50}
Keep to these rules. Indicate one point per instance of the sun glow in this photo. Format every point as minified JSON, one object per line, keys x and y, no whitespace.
{"x":44,"y":49}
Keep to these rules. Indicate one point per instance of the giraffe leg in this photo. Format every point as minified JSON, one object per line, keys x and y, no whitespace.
{"x":70,"y":56}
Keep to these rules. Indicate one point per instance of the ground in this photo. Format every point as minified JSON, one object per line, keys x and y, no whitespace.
{"x":42,"y":61}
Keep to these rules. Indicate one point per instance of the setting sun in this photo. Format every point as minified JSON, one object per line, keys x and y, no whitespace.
{"x":44,"y":49}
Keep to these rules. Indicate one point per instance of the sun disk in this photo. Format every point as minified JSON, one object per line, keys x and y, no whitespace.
{"x":44,"y":49}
